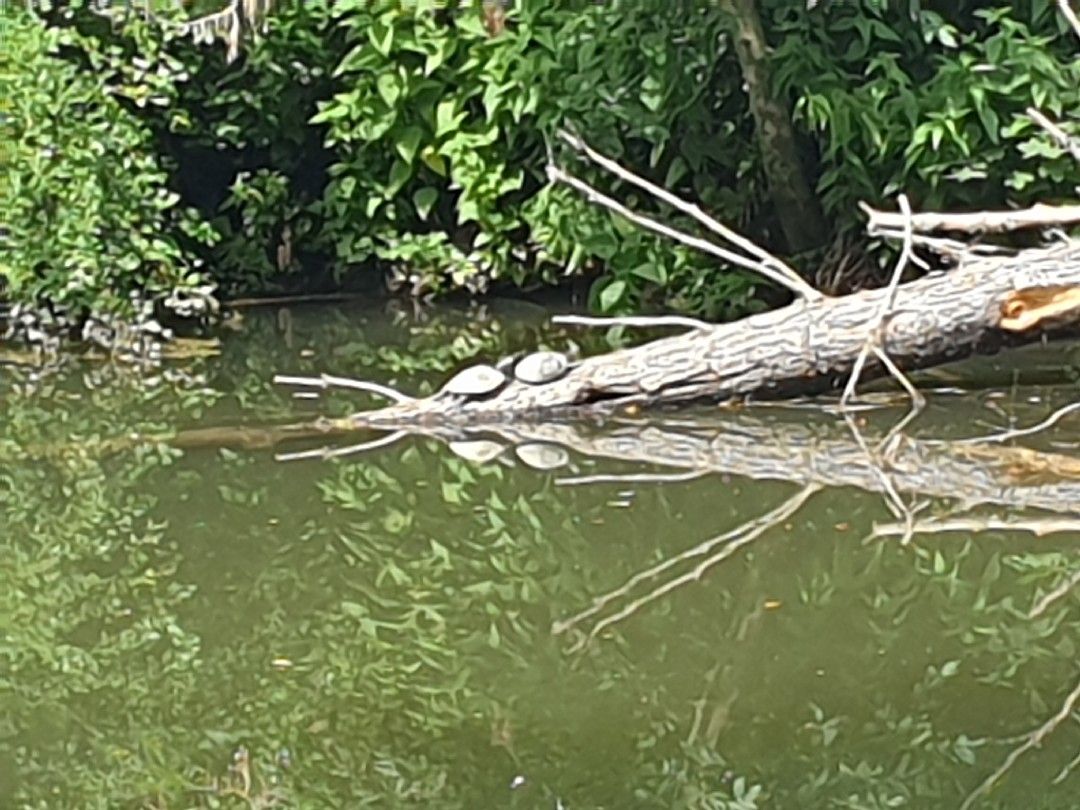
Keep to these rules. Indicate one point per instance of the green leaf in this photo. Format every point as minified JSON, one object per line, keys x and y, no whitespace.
{"x":445,"y":118}
{"x":389,"y":88}
{"x":400,"y":173}
{"x":651,"y":271}
{"x":434,"y":161}
{"x":612,"y":294}
{"x":407,"y":141}
{"x":330,"y":112}
{"x":382,"y":37}
{"x":424,"y":198}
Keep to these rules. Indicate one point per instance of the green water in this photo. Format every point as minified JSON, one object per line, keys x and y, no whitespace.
{"x":192,"y":622}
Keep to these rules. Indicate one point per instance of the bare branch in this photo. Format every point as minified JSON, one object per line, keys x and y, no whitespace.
{"x":874,"y":338}
{"x":796,"y":284}
{"x":1070,"y":15}
{"x":325,"y":381}
{"x":690,"y":209}
{"x":631,"y":478}
{"x":634,"y":320}
{"x":1069,"y":768}
{"x":892,"y":496}
{"x":1056,"y":132}
{"x":335,"y":452}
{"x":738,"y":538}
{"x":1005,"y":436}
{"x":1070,"y":582}
{"x":1036,"y":526}
{"x":1038,"y":216}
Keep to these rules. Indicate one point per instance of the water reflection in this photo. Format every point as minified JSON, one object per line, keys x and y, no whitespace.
{"x":709,"y":609}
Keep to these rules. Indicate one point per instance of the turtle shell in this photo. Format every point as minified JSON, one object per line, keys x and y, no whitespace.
{"x":479,"y":451}
{"x":542,"y":456}
{"x":541,"y":367}
{"x":475,"y":381}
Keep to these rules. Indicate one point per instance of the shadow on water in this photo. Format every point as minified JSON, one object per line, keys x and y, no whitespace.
{"x":716,"y":608}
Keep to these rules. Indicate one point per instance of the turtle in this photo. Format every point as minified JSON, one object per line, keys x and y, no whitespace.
{"x":478,"y":451}
{"x":541,"y":367}
{"x":475,"y":381}
{"x":541,"y":456}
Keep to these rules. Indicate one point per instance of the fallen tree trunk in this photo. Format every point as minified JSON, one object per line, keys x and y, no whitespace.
{"x":806,"y":347}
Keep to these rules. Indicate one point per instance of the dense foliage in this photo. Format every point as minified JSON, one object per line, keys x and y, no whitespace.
{"x":90,"y":222}
{"x":355,"y":141}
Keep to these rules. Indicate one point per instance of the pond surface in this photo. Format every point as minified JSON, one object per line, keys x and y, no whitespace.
{"x":713,"y":609}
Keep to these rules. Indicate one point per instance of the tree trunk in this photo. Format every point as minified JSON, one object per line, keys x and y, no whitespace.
{"x":797,"y":207}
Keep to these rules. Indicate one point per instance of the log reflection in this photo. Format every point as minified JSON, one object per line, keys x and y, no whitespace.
{"x":827,"y":454}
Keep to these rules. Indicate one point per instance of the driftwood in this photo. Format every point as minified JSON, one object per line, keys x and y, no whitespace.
{"x":806,"y":347}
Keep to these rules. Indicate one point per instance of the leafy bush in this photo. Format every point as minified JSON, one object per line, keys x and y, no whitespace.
{"x":442,"y":131}
{"x":357,"y":138}
{"x":931,"y":102}
{"x":246,"y":153}
{"x":91,"y":224}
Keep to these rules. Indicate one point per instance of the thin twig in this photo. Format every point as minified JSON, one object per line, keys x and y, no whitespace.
{"x":1048,"y":599}
{"x":917,"y":399}
{"x":1069,"y":768}
{"x":335,"y":452}
{"x":643,"y":321}
{"x":1070,"y":15}
{"x":325,"y":381}
{"x":800,"y":287}
{"x":739,"y":537}
{"x":1057,"y":133}
{"x":892,"y":496}
{"x":1033,"y":740}
{"x":944,"y":246}
{"x":694,"y":211}
{"x":1005,"y":436}
{"x":631,"y":478}
{"x":874,"y":338}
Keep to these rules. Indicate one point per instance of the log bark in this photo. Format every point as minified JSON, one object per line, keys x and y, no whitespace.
{"x":807,"y":347}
